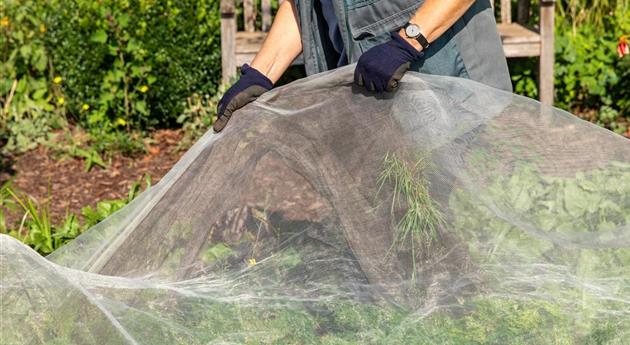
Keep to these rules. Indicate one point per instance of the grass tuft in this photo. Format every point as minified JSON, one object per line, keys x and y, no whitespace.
{"x":418,"y":227}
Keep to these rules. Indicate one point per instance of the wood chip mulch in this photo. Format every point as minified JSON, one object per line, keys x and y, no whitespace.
{"x":65,"y":186}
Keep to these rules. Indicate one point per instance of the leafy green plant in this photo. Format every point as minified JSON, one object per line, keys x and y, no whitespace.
{"x":596,"y":12}
{"x":523,"y":74}
{"x":6,"y":204}
{"x":36,"y":229}
{"x":105,"y":208}
{"x":519,"y":216}
{"x":95,"y":151}
{"x":198,"y":117}
{"x":590,"y":202}
{"x":217,"y":252}
{"x":525,"y":219}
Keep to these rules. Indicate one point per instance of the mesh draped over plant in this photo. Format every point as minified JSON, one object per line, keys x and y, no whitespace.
{"x":447,"y":212}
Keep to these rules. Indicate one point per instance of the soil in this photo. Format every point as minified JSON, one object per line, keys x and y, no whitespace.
{"x":65,"y":186}
{"x":591,"y":116}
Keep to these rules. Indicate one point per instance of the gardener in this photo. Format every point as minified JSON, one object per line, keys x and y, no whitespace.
{"x":385,"y":37}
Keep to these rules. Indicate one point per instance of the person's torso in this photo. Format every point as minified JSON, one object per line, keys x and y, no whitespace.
{"x":471,"y":48}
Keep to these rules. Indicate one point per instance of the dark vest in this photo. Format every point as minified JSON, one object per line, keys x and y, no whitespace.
{"x":471,"y":48}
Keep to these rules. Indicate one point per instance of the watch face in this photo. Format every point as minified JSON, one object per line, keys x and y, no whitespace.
{"x":412,"y":30}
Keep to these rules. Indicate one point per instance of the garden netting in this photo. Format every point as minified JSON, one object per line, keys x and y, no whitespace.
{"x":446,"y":212}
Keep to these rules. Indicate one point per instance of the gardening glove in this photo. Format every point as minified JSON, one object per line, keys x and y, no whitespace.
{"x":250,"y":86}
{"x":381,"y":67}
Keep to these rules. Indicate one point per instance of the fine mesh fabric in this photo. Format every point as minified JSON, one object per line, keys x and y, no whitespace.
{"x":447,"y":212}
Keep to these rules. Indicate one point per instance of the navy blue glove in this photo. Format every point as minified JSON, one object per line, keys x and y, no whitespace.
{"x":250,"y":86}
{"x":381,"y":67}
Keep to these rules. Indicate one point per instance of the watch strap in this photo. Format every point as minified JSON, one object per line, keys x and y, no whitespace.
{"x":423,"y":41}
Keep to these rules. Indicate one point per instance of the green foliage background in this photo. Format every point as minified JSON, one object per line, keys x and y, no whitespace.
{"x":118,"y":66}
{"x":108,"y":51}
{"x":107,"y":65}
{"x":590,"y":79}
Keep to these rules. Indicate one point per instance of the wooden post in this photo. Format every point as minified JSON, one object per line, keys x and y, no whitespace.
{"x":266,"y":15}
{"x":506,"y":11}
{"x":546,"y":77}
{"x":228,"y":40}
{"x":249,"y":15}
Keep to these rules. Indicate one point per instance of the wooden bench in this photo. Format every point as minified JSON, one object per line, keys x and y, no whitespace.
{"x":239,"y":47}
{"x":521,"y":41}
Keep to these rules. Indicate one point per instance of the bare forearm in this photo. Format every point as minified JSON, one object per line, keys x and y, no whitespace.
{"x":436,"y":16}
{"x":282,"y":45}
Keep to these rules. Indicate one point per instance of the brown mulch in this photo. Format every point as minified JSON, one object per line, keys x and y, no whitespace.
{"x":65,"y":185}
{"x":591,"y":116}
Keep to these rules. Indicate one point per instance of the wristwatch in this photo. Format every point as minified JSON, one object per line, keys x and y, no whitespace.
{"x":413,"y":31}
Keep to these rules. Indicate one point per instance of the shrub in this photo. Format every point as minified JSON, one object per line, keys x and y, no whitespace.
{"x":111,"y":66}
{"x":198,"y":117}
{"x":590,"y":75}
{"x":133,"y":63}
{"x":31,"y":104}
{"x":590,"y":79}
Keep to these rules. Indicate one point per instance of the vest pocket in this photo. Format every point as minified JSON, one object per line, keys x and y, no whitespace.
{"x":368,"y":42}
{"x":354,"y":4}
{"x":370,"y":18}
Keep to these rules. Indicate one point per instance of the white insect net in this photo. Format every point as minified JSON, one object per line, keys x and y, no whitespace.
{"x":447,"y":212}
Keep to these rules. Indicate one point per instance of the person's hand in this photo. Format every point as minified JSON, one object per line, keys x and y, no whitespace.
{"x":381,"y":67}
{"x":250,"y":86}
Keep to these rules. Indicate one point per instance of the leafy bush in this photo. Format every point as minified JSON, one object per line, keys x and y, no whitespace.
{"x":590,"y":79}
{"x":198,"y":117}
{"x":31,"y":103}
{"x":590,"y":75}
{"x":114,"y":67}
{"x":134,"y":62}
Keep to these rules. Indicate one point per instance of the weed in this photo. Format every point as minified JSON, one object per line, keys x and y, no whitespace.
{"x":418,"y":228}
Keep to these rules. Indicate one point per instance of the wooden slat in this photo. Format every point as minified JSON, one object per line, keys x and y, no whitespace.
{"x":249,"y":42}
{"x":228,"y":40}
{"x":518,"y":41}
{"x":516,"y":33}
{"x":266,"y":15}
{"x":246,"y":58}
{"x":249,"y":14}
{"x":546,"y":52}
{"x":521,"y":50}
{"x":506,"y":11}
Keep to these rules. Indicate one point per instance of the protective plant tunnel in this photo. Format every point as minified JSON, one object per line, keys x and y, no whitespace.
{"x":446,"y":212}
